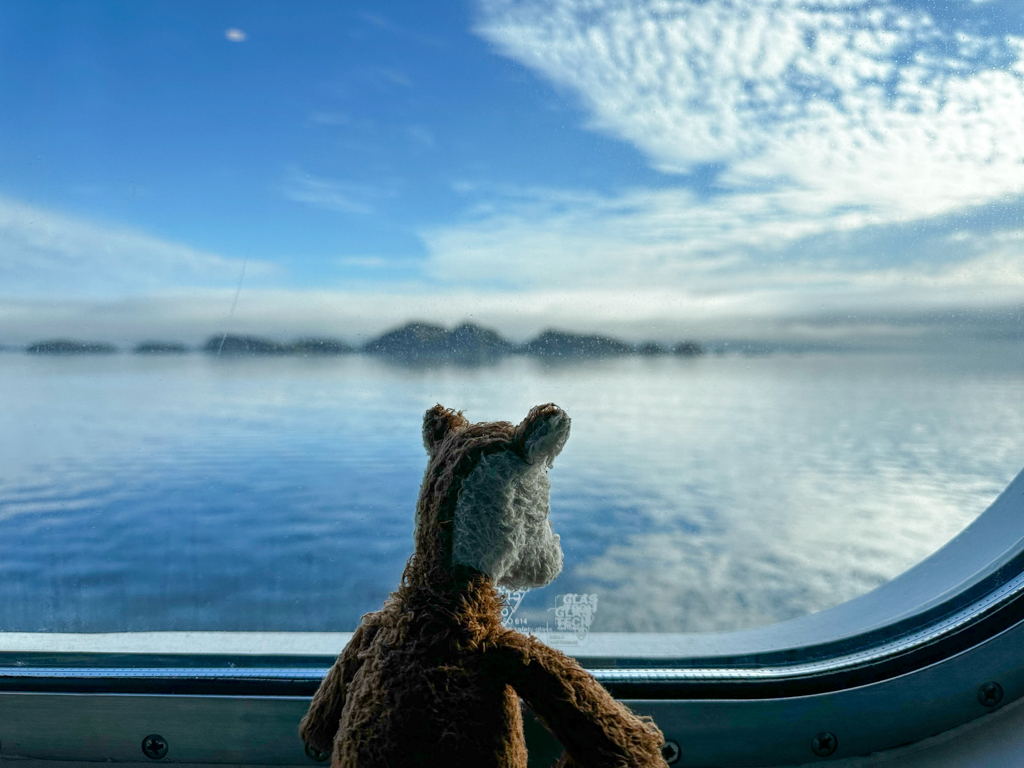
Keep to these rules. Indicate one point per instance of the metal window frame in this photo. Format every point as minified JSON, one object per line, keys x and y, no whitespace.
{"x":935,"y":648}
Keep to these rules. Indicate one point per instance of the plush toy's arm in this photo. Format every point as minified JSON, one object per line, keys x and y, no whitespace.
{"x":594,"y":728}
{"x":320,"y":724}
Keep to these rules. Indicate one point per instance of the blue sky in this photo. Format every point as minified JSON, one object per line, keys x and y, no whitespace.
{"x":723,"y":168}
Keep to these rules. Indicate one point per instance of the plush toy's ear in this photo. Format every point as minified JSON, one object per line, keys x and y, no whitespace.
{"x":437,"y":423}
{"x":543,"y":432}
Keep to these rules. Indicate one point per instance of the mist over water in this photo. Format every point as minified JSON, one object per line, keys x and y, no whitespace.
{"x":197,"y":493}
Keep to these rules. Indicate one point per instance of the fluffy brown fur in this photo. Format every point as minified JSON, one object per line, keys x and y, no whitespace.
{"x":433,"y":679}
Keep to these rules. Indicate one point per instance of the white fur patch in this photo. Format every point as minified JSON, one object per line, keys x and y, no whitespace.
{"x":502,"y":526}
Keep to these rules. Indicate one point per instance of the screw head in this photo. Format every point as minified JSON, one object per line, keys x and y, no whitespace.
{"x":990,"y":694}
{"x":154,"y":746}
{"x":670,"y":752}
{"x":824,"y":744}
{"x":316,"y":754}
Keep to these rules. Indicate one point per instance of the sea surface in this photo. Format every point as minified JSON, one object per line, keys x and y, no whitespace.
{"x":727,"y":491}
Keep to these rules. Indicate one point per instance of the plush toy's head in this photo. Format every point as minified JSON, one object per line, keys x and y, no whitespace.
{"x":484,"y":503}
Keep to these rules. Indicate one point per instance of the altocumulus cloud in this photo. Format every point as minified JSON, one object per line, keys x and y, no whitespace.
{"x":833,"y":123}
{"x":859,"y":107}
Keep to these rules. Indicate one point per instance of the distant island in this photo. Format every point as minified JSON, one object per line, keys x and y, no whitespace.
{"x":160,"y":348}
{"x":414,"y":342}
{"x":70,"y":347}
{"x":563,"y":344}
{"x":467,"y":343}
{"x":229,"y":344}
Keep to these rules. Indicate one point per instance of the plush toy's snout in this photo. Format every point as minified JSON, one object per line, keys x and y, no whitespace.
{"x":543,"y":433}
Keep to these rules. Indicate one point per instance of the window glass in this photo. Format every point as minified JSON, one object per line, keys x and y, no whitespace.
{"x":794,"y":227}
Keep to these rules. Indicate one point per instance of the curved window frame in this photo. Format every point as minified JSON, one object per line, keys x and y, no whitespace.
{"x":930,"y":650}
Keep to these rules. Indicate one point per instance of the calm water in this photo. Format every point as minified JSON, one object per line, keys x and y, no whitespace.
{"x":277,"y":494}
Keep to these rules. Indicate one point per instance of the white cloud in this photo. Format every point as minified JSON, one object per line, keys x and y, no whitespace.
{"x":737,"y":254}
{"x":45,"y":253}
{"x":329,"y":194}
{"x":635,"y":238}
{"x":579,"y":261}
{"x":848,"y":113}
{"x":850,"y":136}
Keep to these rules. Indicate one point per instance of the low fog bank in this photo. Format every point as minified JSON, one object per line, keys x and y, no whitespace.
{"x":412,"y":342}
{"x":354,"y":322}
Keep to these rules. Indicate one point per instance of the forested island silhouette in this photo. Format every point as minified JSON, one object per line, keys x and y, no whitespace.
{"x":415,"y":342}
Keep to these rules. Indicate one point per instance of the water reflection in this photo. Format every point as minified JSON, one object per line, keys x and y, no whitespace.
{"x":188,"y":492}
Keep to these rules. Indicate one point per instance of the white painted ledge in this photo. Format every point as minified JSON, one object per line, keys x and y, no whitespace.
{"x":603,"y":644}
{"x":186,"y":643}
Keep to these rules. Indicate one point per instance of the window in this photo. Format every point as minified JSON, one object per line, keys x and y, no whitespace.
{"x":768,"y":256}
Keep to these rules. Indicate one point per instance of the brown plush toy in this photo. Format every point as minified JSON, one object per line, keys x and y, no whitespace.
{"x":433,"y":679}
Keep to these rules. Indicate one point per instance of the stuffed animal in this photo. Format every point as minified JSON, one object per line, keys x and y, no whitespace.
{"x":433,"y":678}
